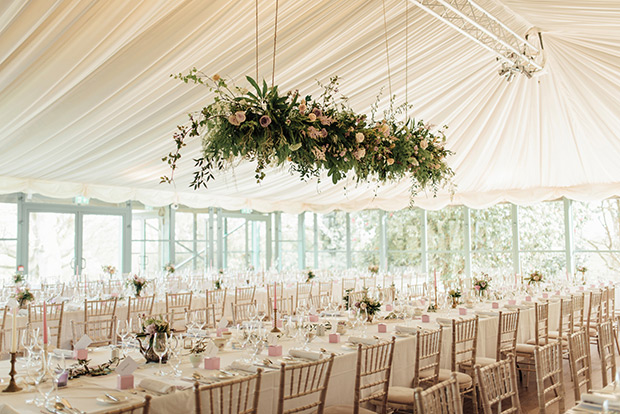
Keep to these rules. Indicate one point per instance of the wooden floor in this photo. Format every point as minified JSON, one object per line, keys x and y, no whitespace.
{"x":529,"y":397}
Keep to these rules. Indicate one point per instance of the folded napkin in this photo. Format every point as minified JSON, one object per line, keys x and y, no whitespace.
{"x":600,"y":399}
{"x":512,"y":307}
{"x":333,"y":313}
{"x":407,"y":329}
{"x":67,"y":353}
{"x":486,"y":313}
{"x":444,"y":321}
{"x":243,"y":366}
{"x":157,"y":386}
{"x":301,"y":353}
{"x":5,"y":409}
{"x":362,"y":340}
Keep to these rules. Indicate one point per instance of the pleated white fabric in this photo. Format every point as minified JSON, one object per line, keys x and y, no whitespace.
{"x":87,"y":105}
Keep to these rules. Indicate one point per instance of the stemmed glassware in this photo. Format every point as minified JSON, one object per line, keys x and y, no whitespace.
{"x":33,"y":368}
{"x":123,"y":330}
{"x":56,"y":366}
{"x":30,"y":339}
{"x":175,"y":345}
{"x":160,"y":348}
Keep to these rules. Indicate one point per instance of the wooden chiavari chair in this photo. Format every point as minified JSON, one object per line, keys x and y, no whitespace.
{"x":565,"y":324}
{"x":524,"y":353}
{"x":507,"y":328}
{"x":179,"y":303}
{"x":53,"y":289}
{"x":217,"y":298}
{"x":140,"y":408}
{"x":369,"y":282}
{"x":388,"y":294}
{"x":372,"y":379}
{"x":112,"y":287}
{"x":285,"y":304}
{"x":388,"y":281}
{"x":99,"y":309}
{"x":417,"y":290}
{"x":299,"y":382}
{"x":606,"y":351}
{"x":55,"y":313}
{"x":463,"y":359}
{"x":426,"y":370}
{"x":302,"y":294}
{"x":348,"y":285}
{"x":595,"y":316}
{"x":238,"y":396}
{"x":356,"y":297}
{"x":242,"y":312}
{"x":580,"y":361}
{"x":141,"y":305}
{"x":443,"y":398}
{"x":6,"y":334}
{"x":498,"y":383}
{"x":579,"y":309}
{"x":326,"y":288}
{"x":548,"y":360}
{"x":204,"y":318}
{"x":319,"y":302}
{"x":100,"y":331}
{"x":244,"y":294}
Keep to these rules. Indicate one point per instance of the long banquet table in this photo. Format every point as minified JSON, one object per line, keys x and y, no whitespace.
{"x":82,"y":391}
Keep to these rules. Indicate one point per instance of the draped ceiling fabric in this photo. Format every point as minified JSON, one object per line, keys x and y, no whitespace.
{"x":87,"y":106}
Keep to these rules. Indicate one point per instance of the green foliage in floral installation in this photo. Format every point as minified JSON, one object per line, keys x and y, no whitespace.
{"x":23,"y":296}
{"x":534,"y":277}
{"x":309,"y":135}
{"x":310,"y":275}
{"x":369,"y":305}
{"x":18,"y":278}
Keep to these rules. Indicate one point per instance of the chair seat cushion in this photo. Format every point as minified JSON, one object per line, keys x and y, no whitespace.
{"x":556,"y":334}
{"x":485,"y":361}
{"x":525,"y":349}
{"x":345,"y":409}
{"x":464,"y":380}
{"x":400,"y":398}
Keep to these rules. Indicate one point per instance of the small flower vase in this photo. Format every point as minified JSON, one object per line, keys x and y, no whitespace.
{"x":369,"y":318}
{"x":455,"y":302}
{"x":137,"y":292}
{"x":196,"y":359}
{"x":146,"y":349}
{"x":23,"y":304}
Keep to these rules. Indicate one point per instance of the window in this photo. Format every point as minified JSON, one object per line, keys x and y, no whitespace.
{"x":491,"y":239}
{"x":445,"y":231}
{"x":365,"y":238}
{"x":332,"y":230}
{"x":404,"y":238}
{"x":8,"y":238}
{"x":541,"y":234}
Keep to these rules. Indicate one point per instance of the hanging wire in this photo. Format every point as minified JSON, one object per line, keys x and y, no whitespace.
{"x":256,"y":41}
{"x":387,"y":50}
{"x":275,"y":38}
{"x":406,"y":59}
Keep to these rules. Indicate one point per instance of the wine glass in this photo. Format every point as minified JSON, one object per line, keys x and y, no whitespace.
{"x":190,"y":321}
{"x":44,"y":380}
{"x":175,"y":345}
{"x":123,"y":330}
{"x":160,"y":348}
{"x":33,"y":367}
{"x":29,"y":339}
{"x":57,"y":367}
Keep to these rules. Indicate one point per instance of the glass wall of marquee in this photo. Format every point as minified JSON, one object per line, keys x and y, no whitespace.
{"x":57,"y":239}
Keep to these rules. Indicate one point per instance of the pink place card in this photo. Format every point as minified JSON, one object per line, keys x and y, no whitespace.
{"x":426,"y":318}
{"x":334,"y":338}
{"x":275,"y":350}
{"x":80,"y":354}
{"x":389,"y":308}
{"x":558,"y":293}
{"x":581,"y":288}
{"x":213,"y":362}
{"x":313,"y":318}
{"x":124,"y":382}
{"x":462,"y":311}
{"x":495,"y":305}
{"x":545,"y":295}
{"x":512,"y":301}
{"x":382,"y":328}
{"x":528,"y":298}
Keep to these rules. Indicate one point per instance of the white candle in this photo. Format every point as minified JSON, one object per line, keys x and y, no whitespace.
{"x":14,"y":332}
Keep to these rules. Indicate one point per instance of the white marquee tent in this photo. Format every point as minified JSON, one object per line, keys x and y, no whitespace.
{"x":87,"y":106}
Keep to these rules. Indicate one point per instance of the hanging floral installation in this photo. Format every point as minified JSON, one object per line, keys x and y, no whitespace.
{"x":309,"y":136}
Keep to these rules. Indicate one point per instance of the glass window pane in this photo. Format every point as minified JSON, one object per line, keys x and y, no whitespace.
{"x":51,"y":247}
{"x":404,"y":230}
{"x":445,"y":229}
{"x":8,"y":257}
{"x":8,"y":221}
{"x":541,"y":226}
{"x":597,"y":225}
{"x":550,"y":264}
{"x":183,"y":226}
{"x":102,"y":243}
{"x":491,"y":228}
{"x":447,"y":265}
{"x":332,"y":240}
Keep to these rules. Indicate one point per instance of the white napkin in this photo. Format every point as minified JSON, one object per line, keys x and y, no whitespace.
{"x":486,"y":313}
{"x":66,"y":353}
{"x":5,"y":409}
{"x":444,"y":321}
{"x":332,"y":313}
{"x":361,"y":340}
{"x":406,"y":329}
{"x":150,"y":384}
{"x":301,"y":353}
{"x":600,"y":399}
{"x":242,"y":366}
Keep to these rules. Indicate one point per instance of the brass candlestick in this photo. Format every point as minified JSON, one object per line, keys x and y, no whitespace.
{"x":12,"y":387}
{"x":275,"y":321}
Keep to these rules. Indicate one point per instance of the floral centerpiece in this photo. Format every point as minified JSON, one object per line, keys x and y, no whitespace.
{"x":137,"y":283}
{"x":309,"y":136}
{"x":151,"y":326}
{"x":582,"y":270}
{"x":534,"y":278}
{"x":18,"y":278}
{"x":109,"y":270}
{"x":374,"y":269}
{"x":310,"y":275}
{"x":368,"y":305}
{"x":455,"y":296}
{"x":23,"y":296}
{"x":169,"y":268}
{"x":481,"y":284}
